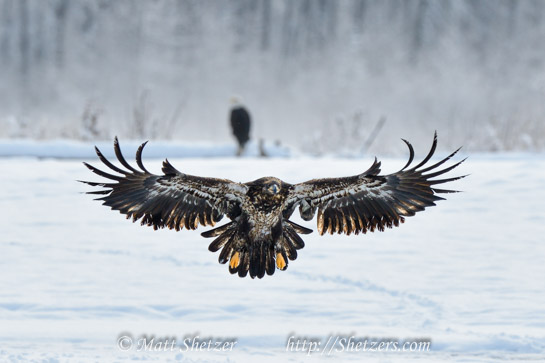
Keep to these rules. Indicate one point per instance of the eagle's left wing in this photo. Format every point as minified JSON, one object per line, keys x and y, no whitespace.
{"x":370,"y":201}
{"x":174,"y":200}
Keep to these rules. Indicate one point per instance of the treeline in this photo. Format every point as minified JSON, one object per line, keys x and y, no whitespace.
{"x":137,"y":67}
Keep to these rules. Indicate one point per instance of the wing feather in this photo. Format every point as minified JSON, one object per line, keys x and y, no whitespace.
{"x":174,"y":200}
{"x":370,"y":201}
{"x":121,"y":158}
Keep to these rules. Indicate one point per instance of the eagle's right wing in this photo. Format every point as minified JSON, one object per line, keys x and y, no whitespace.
{"x":174,"y":200}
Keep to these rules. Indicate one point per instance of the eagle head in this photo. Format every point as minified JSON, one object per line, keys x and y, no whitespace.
{"x":272,"y":188}
{"x":270,"y":185}
{"x":268,"y":188}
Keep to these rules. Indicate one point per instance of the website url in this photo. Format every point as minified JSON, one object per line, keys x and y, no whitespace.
{"x":352,"y":343}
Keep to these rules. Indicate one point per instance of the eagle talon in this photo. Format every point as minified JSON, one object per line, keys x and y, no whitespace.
{"x":280,"y":262}
{"x":235,"y":260}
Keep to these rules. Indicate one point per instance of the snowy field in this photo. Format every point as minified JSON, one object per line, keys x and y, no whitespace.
{"x":467,"y":274}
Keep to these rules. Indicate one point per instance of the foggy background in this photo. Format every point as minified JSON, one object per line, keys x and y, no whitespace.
{"x":316,"y":75}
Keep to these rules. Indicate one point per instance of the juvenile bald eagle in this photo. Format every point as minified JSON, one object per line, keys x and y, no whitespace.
{"x":260,"y":237}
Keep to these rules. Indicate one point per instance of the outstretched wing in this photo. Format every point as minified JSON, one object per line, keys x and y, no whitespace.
{"x":370,"y":201}
{"x":174,"y":200}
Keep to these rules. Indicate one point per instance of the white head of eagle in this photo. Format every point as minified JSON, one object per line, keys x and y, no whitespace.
{"x":259,"y":237}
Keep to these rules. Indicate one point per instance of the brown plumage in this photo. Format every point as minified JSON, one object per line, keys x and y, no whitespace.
{"x":260,"y":237}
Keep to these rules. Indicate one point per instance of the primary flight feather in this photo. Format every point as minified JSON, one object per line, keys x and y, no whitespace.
{"x":260,"y":237}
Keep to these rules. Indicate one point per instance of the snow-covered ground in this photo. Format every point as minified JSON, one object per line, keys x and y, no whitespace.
{"x":74,"y":149}
{"x":467,"y":274}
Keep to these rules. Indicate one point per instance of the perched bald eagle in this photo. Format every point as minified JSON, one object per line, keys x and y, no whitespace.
{"x":260,"y":237}
{"x":240,"y":124}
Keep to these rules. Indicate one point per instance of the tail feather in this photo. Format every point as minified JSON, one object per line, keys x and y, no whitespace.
{"x":269,"y":262}
{"x":256,"y":258}
{"x":227,"y":251}
{"x":244,"y":264}
{"x":262,"y":260}
{"x":219,"y":242}
{"x":288,"y":246}
{"x":219,"y":230}
{"x":298,"y":228}
{"x":294,"y":238}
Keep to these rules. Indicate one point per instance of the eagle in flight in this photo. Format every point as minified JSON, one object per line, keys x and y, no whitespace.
{"x":260,"y":237}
